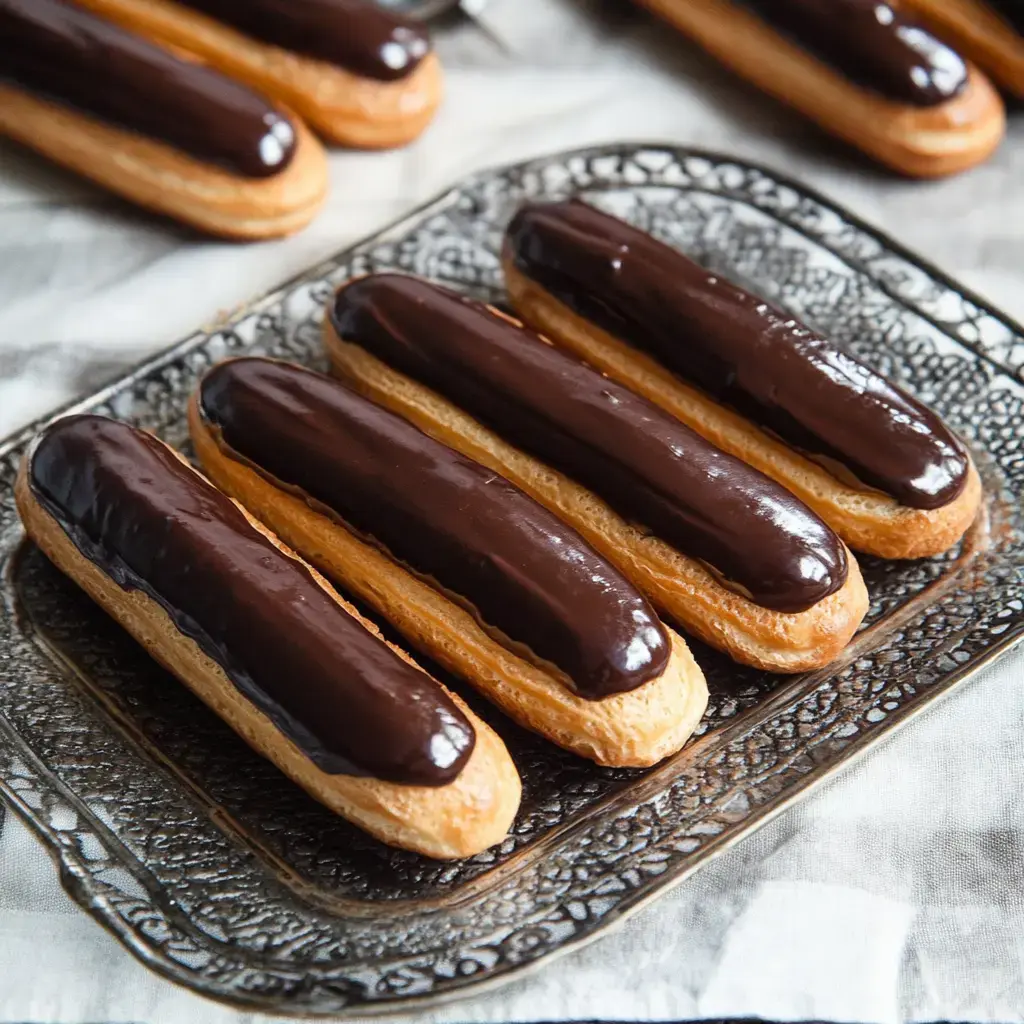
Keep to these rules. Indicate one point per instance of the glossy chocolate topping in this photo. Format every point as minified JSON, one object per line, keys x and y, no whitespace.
{"x":742,"y":351}
{"x":72,"y":57}
{"x":871,"y":44}
{"x":646,"y":464}
{"x":528,"y":577}
{"x":358,"y":35}
{"x":152,"y":524}
{"x":1011,"y":10}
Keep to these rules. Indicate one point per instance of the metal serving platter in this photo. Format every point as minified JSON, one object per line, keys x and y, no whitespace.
{"x":217,"y":872}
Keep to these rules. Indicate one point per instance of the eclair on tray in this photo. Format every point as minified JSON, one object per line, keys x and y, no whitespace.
{"x":878,"y":466}
{"x":264,"y":640}
{"x":718,"y":547}
{"x":472,"y":571}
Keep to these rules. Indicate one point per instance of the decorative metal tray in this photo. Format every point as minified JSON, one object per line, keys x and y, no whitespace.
{"x":216,"y":871}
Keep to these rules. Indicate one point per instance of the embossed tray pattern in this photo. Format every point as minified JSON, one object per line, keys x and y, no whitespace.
{"x":216,"y":871}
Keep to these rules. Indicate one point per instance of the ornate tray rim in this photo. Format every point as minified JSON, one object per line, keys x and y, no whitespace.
{"x":74,"y":874}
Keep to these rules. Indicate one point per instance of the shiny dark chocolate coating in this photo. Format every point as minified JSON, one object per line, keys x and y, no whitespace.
{"x":527,"y":576}
{"x":740,"y":350}
{"x":357,"y":35}
{"x":646,"y":464}
{"x":871,"y":44}
{"x":1011,"y":10}
{"x":152,"y":524}
{"x":67,"y":55}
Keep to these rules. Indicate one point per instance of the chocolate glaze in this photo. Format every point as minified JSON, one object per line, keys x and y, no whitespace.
{"x":645,"y":463}
{"x":1011,"y":10}
{"x":152,"y":524}
{"x":528,"y":577}
{"x":70,"y":56}
{"x":871,"y":44}
{"x":742,"y":351}
{"x":358,"y":35}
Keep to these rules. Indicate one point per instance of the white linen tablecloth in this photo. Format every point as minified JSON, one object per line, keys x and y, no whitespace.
{"x":893,"y":894}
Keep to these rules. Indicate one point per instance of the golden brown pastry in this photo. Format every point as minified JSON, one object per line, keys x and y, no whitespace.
{"x":881,"y":469}
{"x":717,"y":547}
{"x":859,"y":71}
{"x":988,"y":32}
{"x":264,"y":640}
{"x":361,"y":76}
{"x":468,"y":568}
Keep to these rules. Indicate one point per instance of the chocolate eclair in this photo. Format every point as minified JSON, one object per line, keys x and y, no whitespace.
{"x":264,"y":640}
{"x":358,"y":35}
{"x":718,"y":546}
{"x":472,"y":571}
{"x":988,"y":32}
{"x":170,"y":134}
{"x":859,"y":68}
{"x":882,"y":469}
{"x":359,"y":74}
{"x":871,"y":44}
